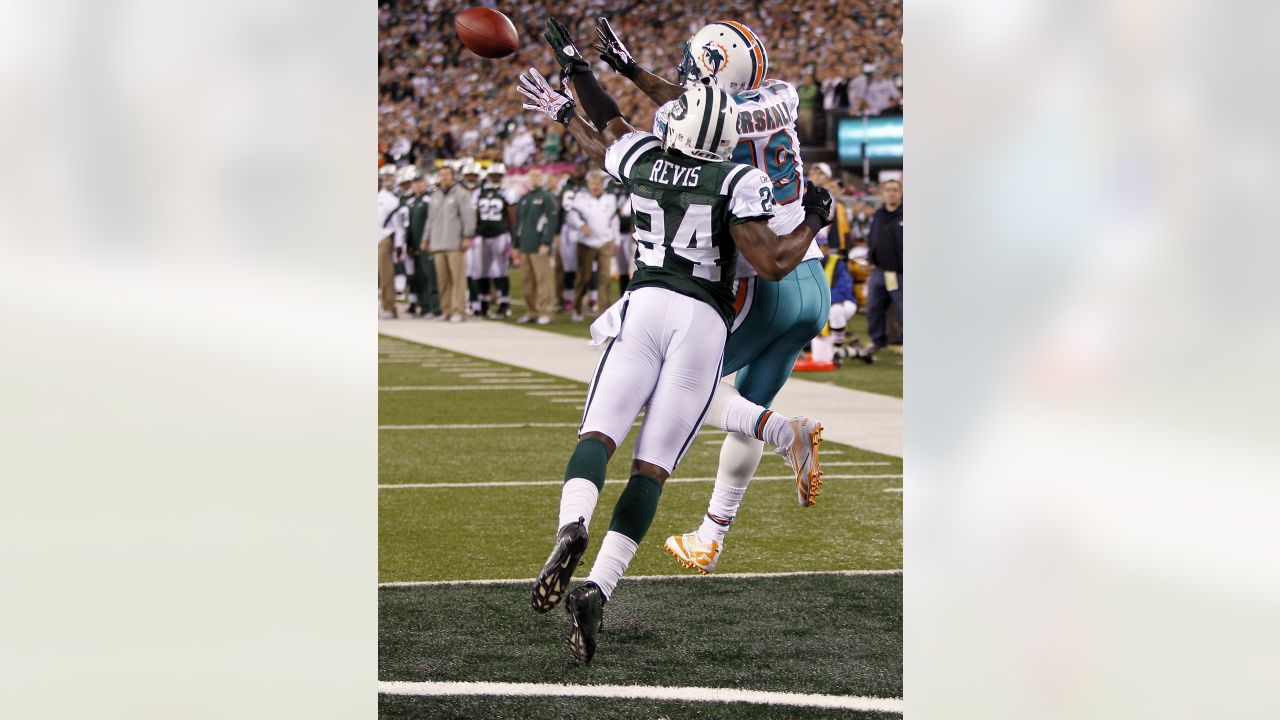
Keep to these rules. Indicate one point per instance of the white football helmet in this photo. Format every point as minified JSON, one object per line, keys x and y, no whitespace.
{"x":387,"y":176}
{"x":406,"y":174}
{"x":728,"y":52}
{"x":703,"y":123}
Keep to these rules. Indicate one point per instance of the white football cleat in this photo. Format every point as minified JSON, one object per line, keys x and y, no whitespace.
{"x":802,"y":456}
{"x":692,"y":552}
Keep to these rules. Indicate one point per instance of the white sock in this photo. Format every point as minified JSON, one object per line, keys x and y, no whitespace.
{"x":740,"y":415}
{"x":577,"y":500}
{"x":739,"y":458}
{"x":615,"y":555}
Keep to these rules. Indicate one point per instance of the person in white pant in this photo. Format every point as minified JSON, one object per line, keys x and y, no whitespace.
{"x":666,"y":338}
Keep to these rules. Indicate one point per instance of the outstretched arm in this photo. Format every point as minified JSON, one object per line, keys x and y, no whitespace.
{"x":613,"y":52}
{"x":560,"y":107}
{"x":773,"y":255}
{"x":594,"y":142}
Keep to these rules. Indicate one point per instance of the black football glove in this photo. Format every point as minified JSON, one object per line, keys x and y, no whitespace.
{"x":545,"y":99}
{"x":817,"y":206}
{"x":566,"y":50}
{"x":613,"y":52}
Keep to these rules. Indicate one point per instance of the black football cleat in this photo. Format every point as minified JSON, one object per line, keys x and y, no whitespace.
{"x":571,"y":543}
{"x":586,"y":610}
{"x":864,"y":353}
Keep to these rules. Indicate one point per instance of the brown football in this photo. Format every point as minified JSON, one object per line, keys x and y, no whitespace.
{"x":487,"y":33}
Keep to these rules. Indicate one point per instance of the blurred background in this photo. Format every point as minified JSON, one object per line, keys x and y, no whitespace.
{"x":185,"y":205}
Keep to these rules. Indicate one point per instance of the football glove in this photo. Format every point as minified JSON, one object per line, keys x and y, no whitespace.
{"x":612,"y":51}
{"x":543,"y":98}
{"x":817,"y":206}
{"x":566,"y":50}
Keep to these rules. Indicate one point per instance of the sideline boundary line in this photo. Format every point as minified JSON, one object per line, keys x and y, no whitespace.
{"x":642,"y":692}
{"x":558,"y":483}
{"x":628,"y":578}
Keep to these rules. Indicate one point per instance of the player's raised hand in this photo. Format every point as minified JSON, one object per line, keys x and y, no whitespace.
{"x":567,"y":53}
{"x":818,"y":202}
{"x":612,"y":50}
{"x":543,"y":98}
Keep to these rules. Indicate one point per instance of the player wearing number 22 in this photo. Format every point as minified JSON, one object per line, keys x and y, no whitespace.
{"x":775,"y":319}
{"x":694,"y":212}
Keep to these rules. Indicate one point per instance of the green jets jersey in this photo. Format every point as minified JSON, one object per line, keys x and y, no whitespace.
{"x":683,"y":208}
{"x":491,"y":211}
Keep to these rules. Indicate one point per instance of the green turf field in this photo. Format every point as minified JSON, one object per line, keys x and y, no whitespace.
{"x":448,"y":512}
{"x":883,"y":377}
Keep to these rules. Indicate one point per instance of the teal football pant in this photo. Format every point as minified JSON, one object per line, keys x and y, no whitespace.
{"x":776,"y":320}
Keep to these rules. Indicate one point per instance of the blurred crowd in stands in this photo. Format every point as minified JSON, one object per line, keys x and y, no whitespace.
{"x":474,"y":190}
{"x":437,"y":101}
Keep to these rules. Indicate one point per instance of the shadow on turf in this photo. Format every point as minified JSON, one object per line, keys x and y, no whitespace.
{"x":810,"y":634}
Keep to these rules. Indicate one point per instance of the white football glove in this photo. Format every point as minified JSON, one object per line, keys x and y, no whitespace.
{"x":542,"y":98}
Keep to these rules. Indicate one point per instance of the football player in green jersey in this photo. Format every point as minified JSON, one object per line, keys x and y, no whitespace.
{"x":775,"y":320}
{"x":495,"y":215}
{"x":665,"y":340}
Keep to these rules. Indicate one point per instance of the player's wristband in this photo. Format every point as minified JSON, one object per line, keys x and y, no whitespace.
{"x":575,"y":68}
{"x":566,"y":114}
{"x":815,"y":221}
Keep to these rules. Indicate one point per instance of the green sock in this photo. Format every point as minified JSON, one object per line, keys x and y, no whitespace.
{"x":635,"y":509}
{"x":588,"y":461}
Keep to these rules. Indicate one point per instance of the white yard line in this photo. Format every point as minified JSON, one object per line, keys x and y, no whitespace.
{"x":500,"y":381}
{"x":478,"y":426}
{"x":504,"y":373}
{"x":558,"y":483}
{"x":644,"y":692}
{"x":629,"y":578}
{"x":577,"y":399}
{"x":552,"y":393}
{"x":431,"y":362}
{"x":848,"y":463}
{"x":897,"y":490}
{"x":861,"y":419}
{"x":439,"y":388}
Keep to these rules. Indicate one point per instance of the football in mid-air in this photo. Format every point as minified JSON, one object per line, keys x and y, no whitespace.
{"x":486,"y":32}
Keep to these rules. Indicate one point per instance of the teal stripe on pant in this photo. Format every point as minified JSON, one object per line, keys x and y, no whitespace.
{"x":783,"y":318}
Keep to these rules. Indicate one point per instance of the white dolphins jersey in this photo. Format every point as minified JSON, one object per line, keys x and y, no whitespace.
{"x":767,"y":139}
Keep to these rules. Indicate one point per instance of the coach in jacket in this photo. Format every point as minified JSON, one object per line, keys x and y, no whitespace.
{"x":884,"y":243}
{"x":450,"y":226}
{"x":537,"y":222}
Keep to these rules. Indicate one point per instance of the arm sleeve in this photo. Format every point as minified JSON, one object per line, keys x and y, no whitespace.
{"x":621,"y":156}
{"x":553,"y":221}
{"x":573,"y":216}
{"x":750,"y":195}
{"x":468,"y":209}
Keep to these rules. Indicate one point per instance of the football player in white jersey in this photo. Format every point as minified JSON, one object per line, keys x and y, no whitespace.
{"x":775,"y":319}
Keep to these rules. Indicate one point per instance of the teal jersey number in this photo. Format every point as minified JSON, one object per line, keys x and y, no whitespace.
{"x":779,"y":164}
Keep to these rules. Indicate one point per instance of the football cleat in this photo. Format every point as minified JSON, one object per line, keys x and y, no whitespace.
{"x":585,"y":606}
{"x":863,"y":353}
{"x":690,"y":551}
{"x":802,"y":456}
{"x":571,"y":543}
